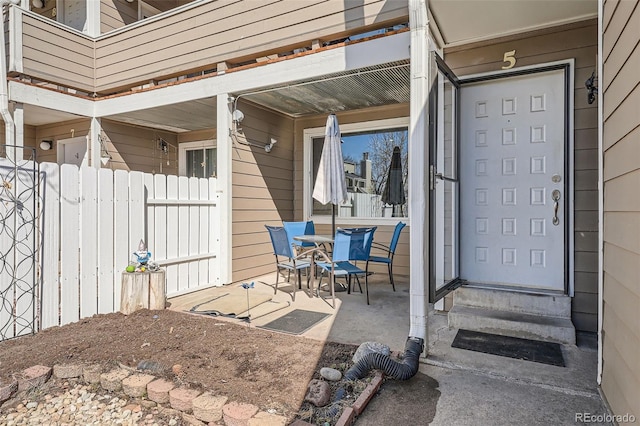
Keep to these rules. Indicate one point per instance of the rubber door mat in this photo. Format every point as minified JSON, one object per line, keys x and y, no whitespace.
{"x":295,"y":322}
{"x":511,"y":347}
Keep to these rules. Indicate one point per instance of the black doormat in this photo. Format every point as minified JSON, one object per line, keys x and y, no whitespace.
{"x":512,"y":347}
{"x":295,"y":322}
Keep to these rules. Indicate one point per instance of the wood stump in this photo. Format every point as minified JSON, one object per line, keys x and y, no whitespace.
{"x":142,"y":290}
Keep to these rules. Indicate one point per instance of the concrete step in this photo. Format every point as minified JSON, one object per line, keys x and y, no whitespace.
{"x":514,"y":301}
{"x":515,"y":324}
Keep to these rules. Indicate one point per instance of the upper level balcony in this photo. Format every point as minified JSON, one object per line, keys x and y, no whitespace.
{"x":186,"y":40}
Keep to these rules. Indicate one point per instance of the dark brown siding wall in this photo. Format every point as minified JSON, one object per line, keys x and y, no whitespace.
{"x":620,"y":84}
{"x":262,"y":189}
{"x":578,"y":41}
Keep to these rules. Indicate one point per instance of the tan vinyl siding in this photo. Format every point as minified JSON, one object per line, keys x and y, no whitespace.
{"x":136,"y":148}
{"x":225,"y":30}
{"x":117,"y":13}
{"x":58,"y":131}
{"x":578,"y":41}
{"x":262,"y":188}
{"x":52,"y":53}
{"x":198,"y":135}
{"x":383,"y":233}
{"x":620,"y":83}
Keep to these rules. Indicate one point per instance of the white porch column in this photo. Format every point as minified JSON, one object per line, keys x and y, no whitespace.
{"x":225,"y":150}
{"x":94,"y":143}
{"x":93,"y":18}
{"x":418,"y":175}
{"x":18,"y":121}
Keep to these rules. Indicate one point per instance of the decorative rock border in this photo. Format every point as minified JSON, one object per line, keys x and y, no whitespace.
{"x":196,"y":407}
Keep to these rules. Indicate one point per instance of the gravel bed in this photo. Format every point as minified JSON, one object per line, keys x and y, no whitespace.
{"x":78,"y":404}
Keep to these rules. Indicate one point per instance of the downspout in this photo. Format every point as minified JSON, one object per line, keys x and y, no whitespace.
{"x":418,"y":211}
{"x":9,"y":125}
{"x":600,"y":66}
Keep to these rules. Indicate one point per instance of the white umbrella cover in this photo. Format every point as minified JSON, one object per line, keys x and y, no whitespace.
{"x":330,"y":185}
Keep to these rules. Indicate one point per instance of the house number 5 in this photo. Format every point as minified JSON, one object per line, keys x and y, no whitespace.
{"x":510,"y":58}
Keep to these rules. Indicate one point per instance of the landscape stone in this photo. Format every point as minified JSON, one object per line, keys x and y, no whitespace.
{"x":7,"y":391}
{"x":370,"y":347}
{"x":318,"y":393}
{"x":136,"y":385}
{"x":33,"y":377}
{"x":182,"y":398}
{"x":112,"y":381}
{"x":330,"y":374}
{"x":91,"y":373}
{"x":208,"y":407}
{"x":267,"y":419}
{"x":237,"y":414}
{"x":67,"y":371}
{"x":158,"y":390}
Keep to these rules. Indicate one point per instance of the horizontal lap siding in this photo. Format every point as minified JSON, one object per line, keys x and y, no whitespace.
{"x":200,"y":37}
{"x":262,"y":189}
{"x":54,"y":54}
{"x":116,"y":13}
{"x":621,"y":145}
{"x":136,"y":148}
{"x":578,"y":41}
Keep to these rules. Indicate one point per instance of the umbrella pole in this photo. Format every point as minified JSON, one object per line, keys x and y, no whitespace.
{"x":333,"y":219}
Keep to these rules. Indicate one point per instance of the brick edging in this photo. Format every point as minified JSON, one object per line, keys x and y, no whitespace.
{"x":114,"y":378}
{"x":192,"y":404}
{"x":349,"y":414}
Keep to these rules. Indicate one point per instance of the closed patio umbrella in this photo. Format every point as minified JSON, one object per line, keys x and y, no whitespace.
{"x":393,"y":192}
{"x":330,"y":185}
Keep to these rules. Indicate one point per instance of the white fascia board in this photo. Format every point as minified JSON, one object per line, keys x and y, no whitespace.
{"x":32,"y":95}
{"x":379,"y":51}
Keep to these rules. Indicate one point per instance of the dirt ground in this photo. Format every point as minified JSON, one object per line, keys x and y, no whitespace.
{"x":270,"y":370}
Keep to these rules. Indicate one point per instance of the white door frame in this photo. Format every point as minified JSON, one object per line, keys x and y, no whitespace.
{"x":570,"y":149}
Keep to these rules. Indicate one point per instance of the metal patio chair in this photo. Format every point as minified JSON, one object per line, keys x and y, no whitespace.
{"x":286,"y":259}
{"x":390,"y":249}
{"x":299,"y":228}
{"x":349,"y":246}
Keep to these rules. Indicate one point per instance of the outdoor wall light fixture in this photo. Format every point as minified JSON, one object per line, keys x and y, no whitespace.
{"x":46,"y":145}
{"x":105,"y":157}
{"x":38,"y":4}
{"x":592,"y":87}
{"x":237,"y":116}
{"x":269,"y":147}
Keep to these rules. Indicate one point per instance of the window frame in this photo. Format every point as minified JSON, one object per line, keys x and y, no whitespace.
{"x":363,"y":126}
{"x":183,"y":147}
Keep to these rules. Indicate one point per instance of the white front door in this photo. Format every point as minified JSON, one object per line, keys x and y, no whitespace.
{"x":512,"y":181}
{"x":72,"y":151}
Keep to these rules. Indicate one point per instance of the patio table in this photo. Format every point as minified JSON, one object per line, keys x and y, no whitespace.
{"x":318,"y":240}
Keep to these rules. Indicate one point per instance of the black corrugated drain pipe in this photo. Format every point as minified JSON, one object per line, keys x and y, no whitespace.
{"x":403,"y":370}
{"x":398,"y":370}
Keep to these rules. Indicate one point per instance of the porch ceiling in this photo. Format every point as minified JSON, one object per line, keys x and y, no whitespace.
{"x":467,"y":21}
{"x":181,"y":117}
{"x":383,"y":84}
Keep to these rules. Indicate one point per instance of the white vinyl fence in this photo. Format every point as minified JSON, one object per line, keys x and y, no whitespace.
{"x":93,"y":220}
